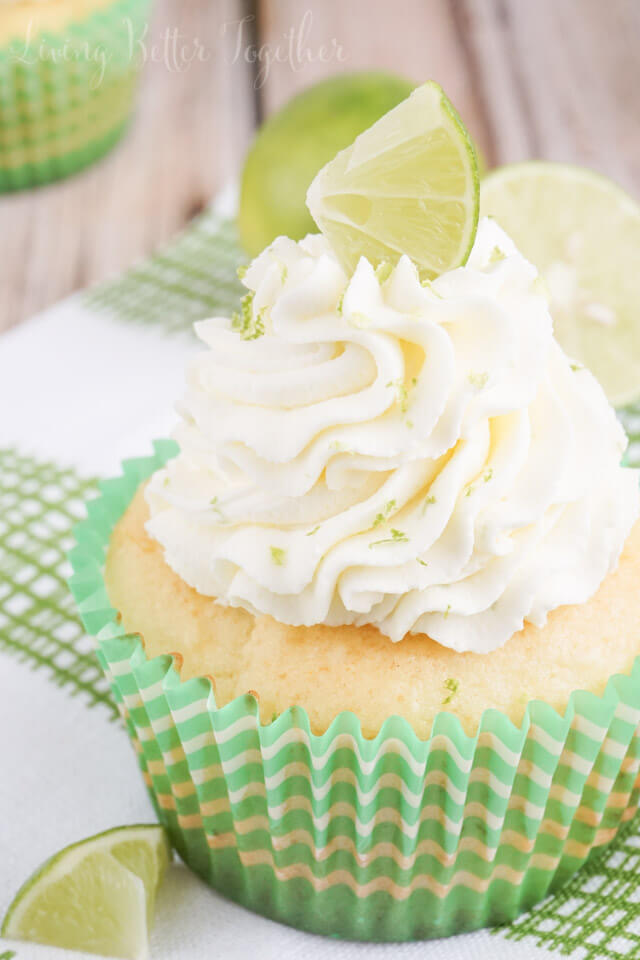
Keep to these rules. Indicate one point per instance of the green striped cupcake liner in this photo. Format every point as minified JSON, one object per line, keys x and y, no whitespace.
{"x":66,"y":98}
{"x":394,"y":838}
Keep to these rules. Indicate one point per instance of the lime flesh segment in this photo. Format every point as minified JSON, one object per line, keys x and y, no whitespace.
{"x":97,"y":895}
{"x":583,"y":234}
{"x":408,"y":185}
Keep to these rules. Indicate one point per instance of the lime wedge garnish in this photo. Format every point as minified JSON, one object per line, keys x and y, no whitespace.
{"x":583,"y":233}
{"x":97,"y":895}
{"x":409,"y":184}
{"x":296,"y":141}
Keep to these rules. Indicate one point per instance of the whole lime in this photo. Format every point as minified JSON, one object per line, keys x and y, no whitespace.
{"x":293,"y":145}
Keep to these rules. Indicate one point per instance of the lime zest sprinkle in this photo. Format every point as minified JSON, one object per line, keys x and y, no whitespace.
{"x":541,"y":288}
{"x":216,"y":507}
{"x":428,"y":502}
{"x":397,"y":536}
{"x":166,"y":481}
{"x":383,"y":271}
{"x":488,"y":475}
{"x":447,"y":611}
{"x":428,"y":285}
{"x":242,"y":271}
{"x":340,"y":304}
{"x":478,"y":380}
{"x":279,"y":556}
{"x":452,"y":686}
{"x":469,"y":490}
{"x":422,"y":563}
{"x":312,"y":532}
{"x":497,"y":255}
{"x":402,"y":392}
{"x":386,"y":510}
{"x":576,"y":367}
{"x":247,"y":323}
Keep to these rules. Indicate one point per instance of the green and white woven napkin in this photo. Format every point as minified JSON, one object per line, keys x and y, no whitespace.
{"x":83,"y":386}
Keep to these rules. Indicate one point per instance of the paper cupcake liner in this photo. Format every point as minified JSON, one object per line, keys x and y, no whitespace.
{"x":66,"y":97}
{"x":394,"y":838}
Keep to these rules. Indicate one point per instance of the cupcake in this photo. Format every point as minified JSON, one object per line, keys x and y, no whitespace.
{"x":68,"y":76}
{"x":371,"y":616}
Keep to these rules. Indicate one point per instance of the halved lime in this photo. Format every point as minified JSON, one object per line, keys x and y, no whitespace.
{"x":294,"y":143}
{"x":409,"y":185}
{"x":97,"y":895}
{"x":583,"y":233}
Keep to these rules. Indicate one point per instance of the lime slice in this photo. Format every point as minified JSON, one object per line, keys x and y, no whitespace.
{"x":97,"y":895}
{"x":294,"y":143}
{"x":409,"y":185}
{"x":583,"y":233}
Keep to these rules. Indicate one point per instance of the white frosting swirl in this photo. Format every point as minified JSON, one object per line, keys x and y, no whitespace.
{"x":422,"y":458}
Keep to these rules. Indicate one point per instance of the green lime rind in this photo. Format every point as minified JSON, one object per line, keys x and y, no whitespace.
{"x":133,"y":859}
{"x":391,"y":838}
{"x":475,"y":175}
{"x":582,"y":231}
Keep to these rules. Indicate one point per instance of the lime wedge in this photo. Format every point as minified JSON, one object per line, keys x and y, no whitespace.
{"x":409,"y":184}
{"x":97,"y":895}
{"x":583,"y":233}
{"x":296,"y":141}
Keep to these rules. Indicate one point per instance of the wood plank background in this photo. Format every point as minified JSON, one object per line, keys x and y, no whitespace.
{"x":558,"y":79}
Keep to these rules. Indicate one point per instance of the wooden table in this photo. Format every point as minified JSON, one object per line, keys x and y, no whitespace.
{"x":558,"y":79}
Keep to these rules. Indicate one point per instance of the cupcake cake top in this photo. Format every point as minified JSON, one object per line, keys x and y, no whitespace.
{"x":367,"y":446}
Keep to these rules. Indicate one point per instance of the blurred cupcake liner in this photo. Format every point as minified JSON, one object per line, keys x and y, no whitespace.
{"x":394,"y":838}
{"x":66,"y":96}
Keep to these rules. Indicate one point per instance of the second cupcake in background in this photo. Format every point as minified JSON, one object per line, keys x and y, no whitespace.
{"x":68,"y":77}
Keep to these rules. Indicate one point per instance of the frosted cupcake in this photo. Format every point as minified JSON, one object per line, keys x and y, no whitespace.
{"x":390,"y":481}
{"x":68,"y":75}
{"x":358,"y":598}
